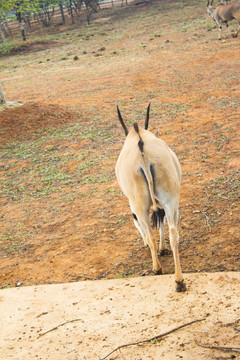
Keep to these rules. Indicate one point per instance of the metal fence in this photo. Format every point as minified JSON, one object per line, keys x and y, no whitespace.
{"x":12,"y":27}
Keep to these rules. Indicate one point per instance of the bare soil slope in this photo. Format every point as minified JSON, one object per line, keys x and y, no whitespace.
{"x":63,"y":217}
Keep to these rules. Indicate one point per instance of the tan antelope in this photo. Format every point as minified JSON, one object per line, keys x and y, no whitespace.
{"x":149,"y":175}
{"x":224,"y":13}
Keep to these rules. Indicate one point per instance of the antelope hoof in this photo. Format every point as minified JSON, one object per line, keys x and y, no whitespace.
{"x":164,"y":252}
{"x":157,"y":272}
{"x":181,"y":287}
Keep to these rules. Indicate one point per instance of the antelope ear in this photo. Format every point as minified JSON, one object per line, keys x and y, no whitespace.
{"x":121,"y":121}
{"x":147,"y":117}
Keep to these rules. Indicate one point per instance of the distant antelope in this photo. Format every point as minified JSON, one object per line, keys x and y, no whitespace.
{"x":224,"y":13}
{"x":149,"y":175}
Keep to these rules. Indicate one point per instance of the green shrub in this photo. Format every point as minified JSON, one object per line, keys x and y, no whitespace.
{"x":12,"y":47}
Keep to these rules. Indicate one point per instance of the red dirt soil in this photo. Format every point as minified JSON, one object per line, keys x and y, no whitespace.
{"x":54,"y":239}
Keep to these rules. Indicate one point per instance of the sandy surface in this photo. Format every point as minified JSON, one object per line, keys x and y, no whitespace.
{"x":80,"y":227}
{"x":103,"y":315}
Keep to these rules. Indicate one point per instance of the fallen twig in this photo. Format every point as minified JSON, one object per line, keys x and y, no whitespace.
{"x":152,"y":338}
{"x":207,"y":219}
{"x":206,"y":216}
{"x":224,"y":348}
{"x":56,"y":327}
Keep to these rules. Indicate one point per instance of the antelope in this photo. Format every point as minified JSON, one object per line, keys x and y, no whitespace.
{"x":224,"y":13}
{"x":149,"y":174}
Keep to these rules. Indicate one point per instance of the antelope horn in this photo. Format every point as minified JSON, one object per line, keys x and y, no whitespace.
{"x":147,"y":116}
{"x":121,"y":121}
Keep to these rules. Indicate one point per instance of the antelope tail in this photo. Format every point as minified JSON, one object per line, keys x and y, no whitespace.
{"x":146,"y":169}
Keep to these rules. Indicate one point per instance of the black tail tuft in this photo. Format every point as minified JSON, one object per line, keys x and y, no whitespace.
{"x":157,"y":217}
{"x":140,"y":143}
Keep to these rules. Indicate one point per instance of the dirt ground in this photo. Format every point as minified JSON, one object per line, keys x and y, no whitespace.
{"x":63,"y":216}
{"x":89,"y":319}
{"x":64,"y":220}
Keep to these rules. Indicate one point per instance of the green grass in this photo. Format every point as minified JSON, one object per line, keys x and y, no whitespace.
{"x":13,"y":47}
{"x":226,"y":187}
{"x":34,"y":169}
{"x":14,"y":240}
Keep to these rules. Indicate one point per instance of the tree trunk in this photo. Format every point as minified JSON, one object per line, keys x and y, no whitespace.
{"x":23,"y":32}
{"x":62,"y":12}
{"x":3,"y":33}
{"x":71,"y":12}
